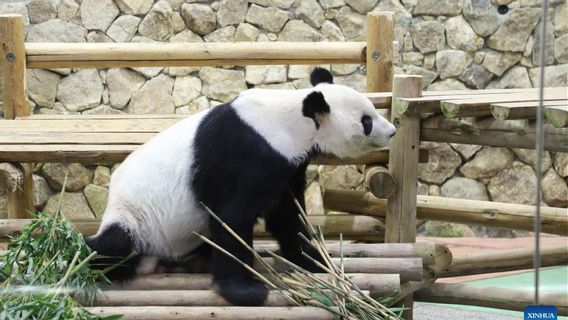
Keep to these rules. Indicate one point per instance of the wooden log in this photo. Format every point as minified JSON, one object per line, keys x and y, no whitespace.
{"x":376,"y":284}
{"x":481,"y":106}
{"x":400,"y":223}
{"x":110,"y":55}
{"x":13,"y":66}
{"x":11,"y":178}
{"x":491,"y":132}
{"x":352,"y":227}
{"x":217,"y":313}
{"x":428,"y":252}
{"x":380,"y":35}
{"x":520,"y":110}
{"x":504,"y":260}
{"x":403,"y":164}
{"x":21,"y":201}
{"x":380,"y":182}
{"x":107,"y":152}
{"x":491,"y":297}
{"x":181,"y":298}
{"x":486,"y":213}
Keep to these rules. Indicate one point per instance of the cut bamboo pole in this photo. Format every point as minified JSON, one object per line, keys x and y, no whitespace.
{"x":491,"y":297}
{"x":486,"y":213}
{"x":504,"y":260}
{"x":375,"y":283}
{"x":352,"y":227}
{"x":217,"y":313}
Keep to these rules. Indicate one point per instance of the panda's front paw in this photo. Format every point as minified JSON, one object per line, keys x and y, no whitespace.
{"x":242,"y":291}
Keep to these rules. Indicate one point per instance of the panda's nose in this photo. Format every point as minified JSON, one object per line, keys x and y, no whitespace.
{"x":393,"y":133}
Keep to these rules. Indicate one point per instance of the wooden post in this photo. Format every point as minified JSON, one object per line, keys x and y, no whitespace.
{"x":13,"y":61}
{"x":403,"y":165}
{"x":380,"y":35}
{"x":380,"y":56}
{"x":13,"y":66}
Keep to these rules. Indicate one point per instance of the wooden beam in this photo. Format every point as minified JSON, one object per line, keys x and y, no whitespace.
{"x":520,"y":110}
{"x":504,"y":260}
{"x":13,"y":65}
{"x":216,"y":313}
{"x":352,"y":227}
{"x":481,"y":106}
{"x":486,"y":213}
{"x":375,"y":283}
{"x":491,"y":132}
{"x":491,"y":297}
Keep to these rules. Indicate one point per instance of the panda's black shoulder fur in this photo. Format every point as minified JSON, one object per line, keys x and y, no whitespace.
{"x":232,"y":160}
{"x":320,"y":75}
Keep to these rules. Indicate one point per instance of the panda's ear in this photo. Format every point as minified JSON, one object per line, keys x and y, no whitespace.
{"x":320,"y":75}
{"x":315,"y":107}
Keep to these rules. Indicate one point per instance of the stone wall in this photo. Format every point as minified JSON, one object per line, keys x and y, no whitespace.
{"x":453,"y":44}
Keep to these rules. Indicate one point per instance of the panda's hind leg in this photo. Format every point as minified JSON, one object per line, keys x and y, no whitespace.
{"x":113,"y":244}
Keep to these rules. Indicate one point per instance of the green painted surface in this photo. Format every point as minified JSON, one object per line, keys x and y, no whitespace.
{"x":551,"y":280}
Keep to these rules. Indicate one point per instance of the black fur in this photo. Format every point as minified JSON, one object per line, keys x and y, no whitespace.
{"x":114,"y":244}
{"x":315,"y":106}
{"x":240,"y":177}
{"x":320,"y":75}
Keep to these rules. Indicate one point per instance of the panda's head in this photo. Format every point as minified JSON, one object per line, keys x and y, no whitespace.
{"x":347,"y":123}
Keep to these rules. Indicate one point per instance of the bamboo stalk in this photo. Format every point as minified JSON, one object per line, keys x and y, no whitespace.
{"x":491,"y":297}
{"x":217,"y":313}
{"x":376,"y":284}
{"x":487,"y":213}
{"x":352,"y":227}
{"x":504,"y":260}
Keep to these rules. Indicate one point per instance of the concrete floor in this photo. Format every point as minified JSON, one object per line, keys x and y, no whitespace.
{"x":427,"y":311}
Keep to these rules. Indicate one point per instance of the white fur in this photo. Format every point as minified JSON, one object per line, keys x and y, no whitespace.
{"x":150,"y":192}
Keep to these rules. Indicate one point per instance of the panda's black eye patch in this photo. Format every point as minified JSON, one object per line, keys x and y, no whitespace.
{"x":367,"y":122}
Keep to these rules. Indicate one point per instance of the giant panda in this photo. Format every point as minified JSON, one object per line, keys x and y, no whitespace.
{"x":244,"y":159}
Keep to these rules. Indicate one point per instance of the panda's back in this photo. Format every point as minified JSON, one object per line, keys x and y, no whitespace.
{"x":150,"y":192}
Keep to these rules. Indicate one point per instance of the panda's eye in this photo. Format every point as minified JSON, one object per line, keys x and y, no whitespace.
{"x":367,"y":124}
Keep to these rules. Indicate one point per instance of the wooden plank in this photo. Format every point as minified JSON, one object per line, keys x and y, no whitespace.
{"x":491,"y":297}
{"x":91,"y":148}
{"x":557,"y":115}
{"x":481,"y":106}
{"x":13,"y":66}
{"x":403,"y":164}
{"x":520,"y":110}
{"x":375,"y":283}
{"x":430,"y":101}
{"x":106,"y":55}
{"x":216,"y":313}
{"x":88,"y":126}
{"x":485,"y":213}
{"x":352,"y":227}
{"x":380,"y":35}
{"x":504,"y":260}
{"x":491,"y":132}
